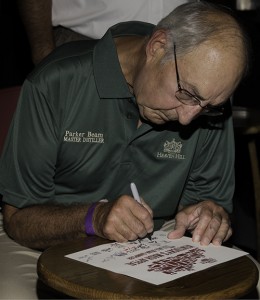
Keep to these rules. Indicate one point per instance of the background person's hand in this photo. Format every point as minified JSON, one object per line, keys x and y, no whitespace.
{"x":207,"y":221}
{"x":123,"y":220}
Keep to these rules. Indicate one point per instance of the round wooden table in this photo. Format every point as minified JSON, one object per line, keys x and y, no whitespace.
{"x":230,"y":280}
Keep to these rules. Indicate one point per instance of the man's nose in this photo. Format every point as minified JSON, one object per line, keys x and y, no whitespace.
{"x":189,"y":113}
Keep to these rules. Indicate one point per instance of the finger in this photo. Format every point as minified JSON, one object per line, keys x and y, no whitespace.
{"x":142,"y":223}
{"x":206,"y":228}
{"x":116,"y":220}
{"x":216,"y":231}
{"x":136,"y":223}
{"x":229,"y":234}
{"x":147,"y":207}
{"x":144,"y":214}
{"x":193,"y":224}
{"x":114,"y":235}
{"x":127,"y":220}
{"x":180,"y":227}
{"x":117,"y":230}
{"x":177,"y":233}
{"x":223,"y":234}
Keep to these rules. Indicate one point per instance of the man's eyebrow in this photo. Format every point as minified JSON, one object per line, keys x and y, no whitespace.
{"x":195,"y":92}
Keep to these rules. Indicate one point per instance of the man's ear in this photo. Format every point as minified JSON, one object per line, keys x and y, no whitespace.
{"x":156,"y":45}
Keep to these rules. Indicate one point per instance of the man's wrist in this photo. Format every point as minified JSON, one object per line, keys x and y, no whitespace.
{"x":89,"y":226}
{"x":89,"y":229}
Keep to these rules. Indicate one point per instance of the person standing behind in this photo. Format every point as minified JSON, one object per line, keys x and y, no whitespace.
{"x":51,"y":23}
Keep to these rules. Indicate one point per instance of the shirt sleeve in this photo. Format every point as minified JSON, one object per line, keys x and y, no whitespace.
{"x":29,"y":157}
{"x":212,"y":173}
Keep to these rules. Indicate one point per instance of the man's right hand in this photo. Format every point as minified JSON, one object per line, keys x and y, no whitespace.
{"x":123,"y":220}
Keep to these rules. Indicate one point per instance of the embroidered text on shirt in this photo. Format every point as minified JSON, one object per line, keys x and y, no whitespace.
{"x":83,"y":137}
{"x":171,"y":150}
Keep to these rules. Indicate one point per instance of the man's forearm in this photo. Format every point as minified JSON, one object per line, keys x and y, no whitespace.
{"x":42,"y":226}
{"x":37,"y":18}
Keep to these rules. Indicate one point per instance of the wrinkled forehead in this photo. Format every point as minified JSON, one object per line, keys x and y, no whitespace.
{"x":212,"y":67}
{"x":213,"y":57}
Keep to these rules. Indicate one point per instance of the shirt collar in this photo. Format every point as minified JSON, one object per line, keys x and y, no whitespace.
{"x":108,"y":74}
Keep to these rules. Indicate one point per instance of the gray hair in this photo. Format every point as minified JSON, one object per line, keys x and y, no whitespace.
{"x":191,"y":24}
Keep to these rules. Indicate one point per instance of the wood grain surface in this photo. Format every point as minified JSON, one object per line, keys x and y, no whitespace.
{"x":229,"y":280}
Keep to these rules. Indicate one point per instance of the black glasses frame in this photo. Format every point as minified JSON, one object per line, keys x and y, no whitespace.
{"x":192,"y":99}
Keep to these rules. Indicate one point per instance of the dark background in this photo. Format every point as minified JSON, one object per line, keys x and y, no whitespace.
{"x":16,"y":64}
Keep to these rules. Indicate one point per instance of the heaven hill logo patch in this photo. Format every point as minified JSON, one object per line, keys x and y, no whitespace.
{"x":172,"y":150}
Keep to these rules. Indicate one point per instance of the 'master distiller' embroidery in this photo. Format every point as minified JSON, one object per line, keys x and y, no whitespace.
{"x":83,"y":137}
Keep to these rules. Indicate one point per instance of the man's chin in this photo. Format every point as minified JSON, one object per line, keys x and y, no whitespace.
{"x":157,"y":121}
{"x":161,"y":121}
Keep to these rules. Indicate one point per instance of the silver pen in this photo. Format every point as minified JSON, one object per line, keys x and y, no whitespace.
{"x":138,"y":199}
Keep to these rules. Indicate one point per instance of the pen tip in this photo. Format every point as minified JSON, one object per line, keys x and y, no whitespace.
{"x":149,"y":235}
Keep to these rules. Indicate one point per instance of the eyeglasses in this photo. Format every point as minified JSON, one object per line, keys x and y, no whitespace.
{"x":186,"y":98}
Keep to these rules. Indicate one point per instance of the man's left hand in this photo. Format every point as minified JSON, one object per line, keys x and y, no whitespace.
{"x":207,"y":221}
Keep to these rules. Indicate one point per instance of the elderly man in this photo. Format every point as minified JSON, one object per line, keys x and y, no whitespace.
{"x":145,"y":104}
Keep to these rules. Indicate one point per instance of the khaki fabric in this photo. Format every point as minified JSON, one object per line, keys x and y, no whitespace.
{"x":18,"y":273}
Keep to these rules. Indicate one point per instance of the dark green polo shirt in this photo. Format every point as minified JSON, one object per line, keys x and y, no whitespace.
{"x":74,"y":138}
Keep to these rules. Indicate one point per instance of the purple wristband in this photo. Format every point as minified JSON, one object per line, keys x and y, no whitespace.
{"x":88,"y":221}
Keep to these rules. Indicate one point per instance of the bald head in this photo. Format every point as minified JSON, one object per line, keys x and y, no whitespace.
{"x":196,"y":23}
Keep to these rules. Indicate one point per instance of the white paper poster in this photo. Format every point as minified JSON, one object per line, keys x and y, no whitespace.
{"x":157,"y":261}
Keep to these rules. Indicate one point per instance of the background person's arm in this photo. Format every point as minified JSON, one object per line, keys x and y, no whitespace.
{"x":37,"y":18}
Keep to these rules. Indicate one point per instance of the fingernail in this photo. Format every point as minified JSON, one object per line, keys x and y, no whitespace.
{"x":196,"y":238}
{"x":217,"y":242}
